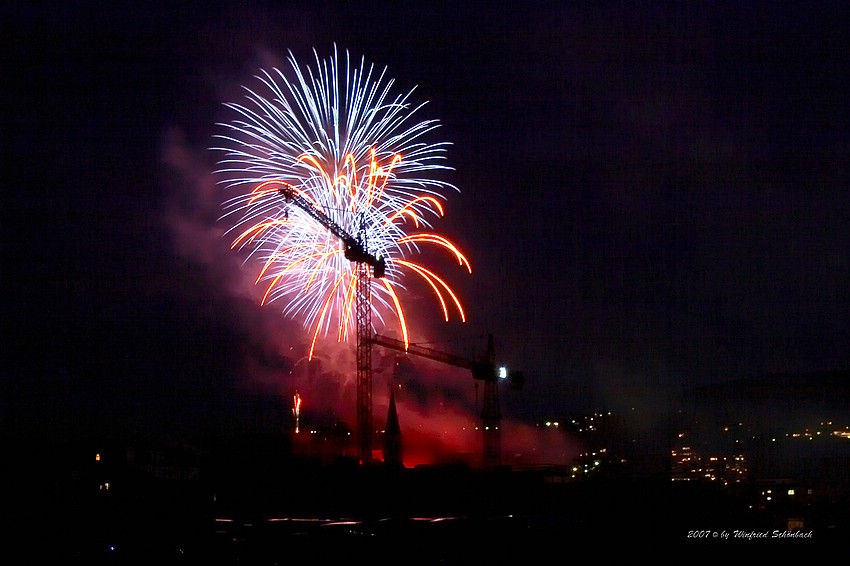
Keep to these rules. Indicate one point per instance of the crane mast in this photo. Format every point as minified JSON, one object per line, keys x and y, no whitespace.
{"x":356,"y":250}
{"x":482,"y":370}
{"x":364,"y":354}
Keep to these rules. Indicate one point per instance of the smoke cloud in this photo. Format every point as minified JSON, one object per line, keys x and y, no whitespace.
{"x":438,"y":406}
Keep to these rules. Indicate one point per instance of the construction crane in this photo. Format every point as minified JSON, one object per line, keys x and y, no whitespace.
{"x":357,"y":251}
{"x":484,"y":370}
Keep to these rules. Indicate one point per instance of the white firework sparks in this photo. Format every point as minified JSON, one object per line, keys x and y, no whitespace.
{"x":353,"y":150}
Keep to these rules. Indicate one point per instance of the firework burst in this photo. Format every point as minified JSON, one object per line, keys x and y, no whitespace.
{"x":339,"y":139}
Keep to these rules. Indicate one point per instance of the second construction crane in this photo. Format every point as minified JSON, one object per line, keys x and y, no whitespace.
{"x":483,"y":369}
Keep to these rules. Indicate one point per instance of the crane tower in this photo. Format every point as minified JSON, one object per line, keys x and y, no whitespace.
{"x":483,"y":369}
{"x":367,"y":265}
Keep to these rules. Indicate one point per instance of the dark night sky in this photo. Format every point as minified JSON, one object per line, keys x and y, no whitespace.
{"x":651,"y":195}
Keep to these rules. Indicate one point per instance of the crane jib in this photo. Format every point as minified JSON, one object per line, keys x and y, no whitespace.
{"x":354,"y":250}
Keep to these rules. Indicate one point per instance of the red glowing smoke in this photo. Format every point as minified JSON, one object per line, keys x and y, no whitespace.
{"x":438,"y":406}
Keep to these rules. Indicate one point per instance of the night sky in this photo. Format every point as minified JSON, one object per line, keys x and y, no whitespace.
{"x":652,"y":196}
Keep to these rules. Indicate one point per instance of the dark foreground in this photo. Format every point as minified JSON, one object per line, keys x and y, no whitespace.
{"x":452,"y":516}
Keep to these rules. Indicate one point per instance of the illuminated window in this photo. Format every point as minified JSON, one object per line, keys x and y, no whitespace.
{"x":97,"y":457}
